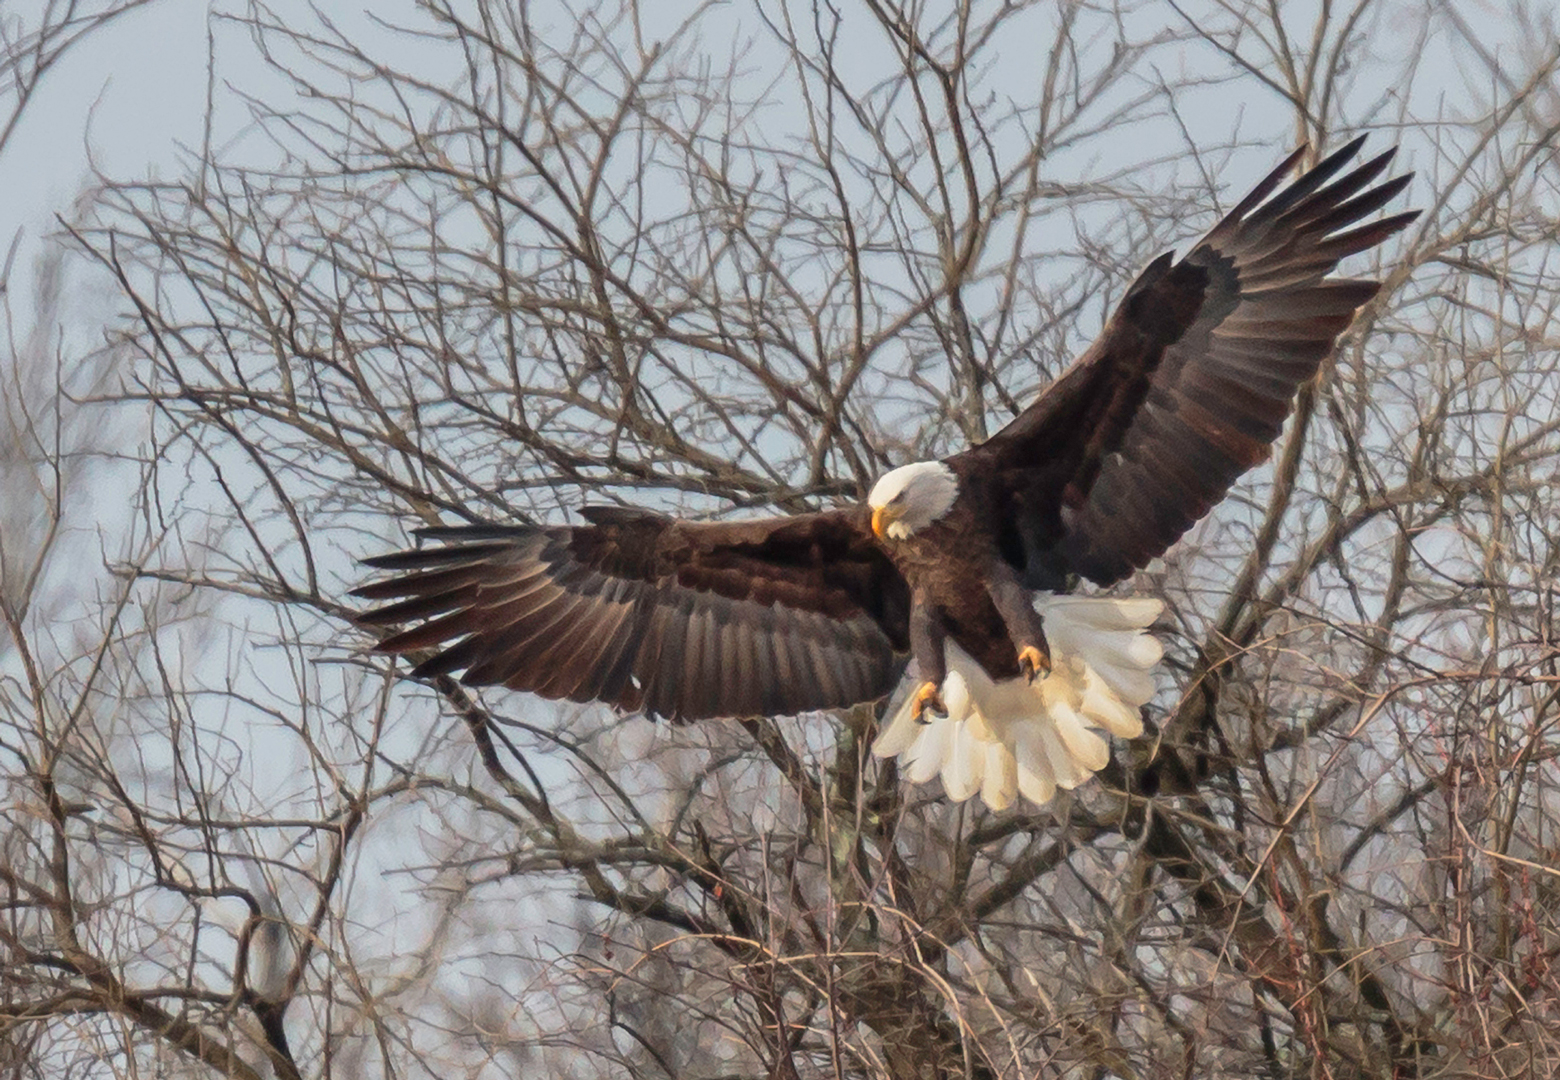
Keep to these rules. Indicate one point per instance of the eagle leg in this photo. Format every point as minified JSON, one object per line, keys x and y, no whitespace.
{"x":1016,"y":604}
{"x":927,"y":639}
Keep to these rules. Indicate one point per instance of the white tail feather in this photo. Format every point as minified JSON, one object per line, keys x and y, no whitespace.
{"x":1010,"y":738}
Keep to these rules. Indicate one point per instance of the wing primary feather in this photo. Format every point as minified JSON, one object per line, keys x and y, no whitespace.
{"x":1366,"y":236}
{"x":1306,"y":215}
{"x":463,"y":535}
{"x":453,"y":659}
{"x":1306,"y":183}
{"x":416,"y":607}
{"x":491,"y":542}
{"x":1265,"y":187}
{"x":418,"y":584}
{"x":1356,"y":208}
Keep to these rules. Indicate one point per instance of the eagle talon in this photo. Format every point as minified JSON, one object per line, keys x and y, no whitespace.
{"x":927,"y":698}
{"x":1034,"y":662}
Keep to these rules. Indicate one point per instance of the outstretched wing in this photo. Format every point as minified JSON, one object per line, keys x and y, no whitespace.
{"x":677,"y":619}
{"x":1191,"y":380}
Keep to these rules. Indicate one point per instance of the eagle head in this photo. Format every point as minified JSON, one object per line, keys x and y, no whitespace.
{"x":911,"y":497}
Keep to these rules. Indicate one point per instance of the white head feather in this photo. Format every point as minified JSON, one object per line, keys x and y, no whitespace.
{"x":918,"y":494}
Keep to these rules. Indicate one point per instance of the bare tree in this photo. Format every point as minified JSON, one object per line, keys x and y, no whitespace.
{"x":91,"y":875}
{"x":510,"y":259}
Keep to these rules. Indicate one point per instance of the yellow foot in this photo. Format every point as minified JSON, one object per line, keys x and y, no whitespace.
{"x":927,"y":698}
{"x":1034,"y":662}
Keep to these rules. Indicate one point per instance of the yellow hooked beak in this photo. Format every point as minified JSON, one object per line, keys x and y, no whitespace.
{"x":882,"y":518}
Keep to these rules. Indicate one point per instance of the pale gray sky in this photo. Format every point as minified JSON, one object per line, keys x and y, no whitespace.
{"x":130,"y":92}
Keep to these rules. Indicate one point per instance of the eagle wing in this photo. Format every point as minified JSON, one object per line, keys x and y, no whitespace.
{"x":1191,"y":380}
{"x":677,"y":619}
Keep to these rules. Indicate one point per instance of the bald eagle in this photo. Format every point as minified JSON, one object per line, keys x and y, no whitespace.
{"x":964,"y":563}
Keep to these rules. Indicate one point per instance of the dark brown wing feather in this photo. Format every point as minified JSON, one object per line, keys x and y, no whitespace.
{"x":1190,"y":382}
{"x":675,"y":619}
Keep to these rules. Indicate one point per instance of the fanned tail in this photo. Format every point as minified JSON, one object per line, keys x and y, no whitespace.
{"x":1011,"y":738}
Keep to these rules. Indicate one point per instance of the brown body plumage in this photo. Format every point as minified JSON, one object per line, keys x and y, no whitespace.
{"x":947,"y":564}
